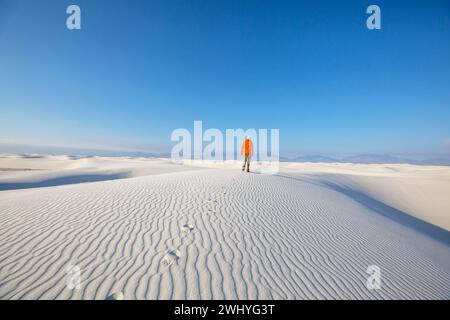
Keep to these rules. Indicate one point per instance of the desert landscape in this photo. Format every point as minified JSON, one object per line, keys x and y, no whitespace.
{"x":149,"y":228}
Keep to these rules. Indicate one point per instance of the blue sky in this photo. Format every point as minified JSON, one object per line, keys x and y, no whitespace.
{"x":139,"y":69}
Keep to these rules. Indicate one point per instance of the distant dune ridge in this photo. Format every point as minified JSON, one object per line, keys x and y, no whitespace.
{"x":152,"y":229}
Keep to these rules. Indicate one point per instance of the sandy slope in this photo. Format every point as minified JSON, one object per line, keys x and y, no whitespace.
{"x":216,"y":233}
{"x":23,"y":172}
{"x":420,"y":191}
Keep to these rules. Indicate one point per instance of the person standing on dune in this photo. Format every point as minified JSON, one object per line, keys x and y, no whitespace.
{"x":247,"y":152}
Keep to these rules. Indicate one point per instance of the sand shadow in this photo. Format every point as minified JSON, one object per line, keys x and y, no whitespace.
{"x":394,"y":214}
{"x":75,"y":179}
{"x":383,"y":209}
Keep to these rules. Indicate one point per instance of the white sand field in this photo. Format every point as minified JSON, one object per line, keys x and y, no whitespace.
{"x":152,"y":229}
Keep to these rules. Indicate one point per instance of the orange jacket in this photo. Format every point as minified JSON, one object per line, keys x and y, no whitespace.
{"x":247,"y":147}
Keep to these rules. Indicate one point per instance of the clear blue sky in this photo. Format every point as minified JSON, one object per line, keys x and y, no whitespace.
{"x":139,"y":69}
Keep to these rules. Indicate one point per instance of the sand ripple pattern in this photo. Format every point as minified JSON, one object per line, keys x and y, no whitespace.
{"x":212,"y":234}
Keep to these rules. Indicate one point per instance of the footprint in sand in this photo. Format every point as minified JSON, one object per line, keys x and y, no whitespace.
{"x":186,"y":229}
{"x":116,"y":296}
{"x":171,"y":257}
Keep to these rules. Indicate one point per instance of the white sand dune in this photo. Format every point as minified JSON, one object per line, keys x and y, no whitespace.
{"x":309,"y":232}
{"x":23,"y":172}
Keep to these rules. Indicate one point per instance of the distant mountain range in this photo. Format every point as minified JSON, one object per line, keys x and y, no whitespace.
{"x":313,"y":158}
{"x":369,"y":158}
{"x":361,"y":158}
{"x":374,"y":158}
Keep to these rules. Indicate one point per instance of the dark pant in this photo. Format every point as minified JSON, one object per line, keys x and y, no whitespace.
{"x":246,"y":162}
